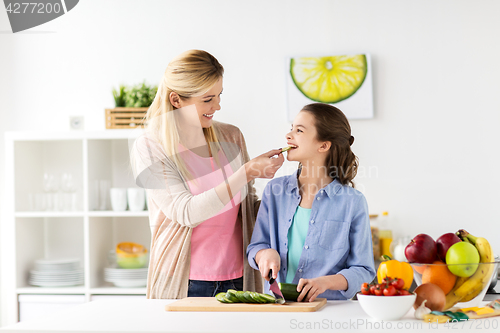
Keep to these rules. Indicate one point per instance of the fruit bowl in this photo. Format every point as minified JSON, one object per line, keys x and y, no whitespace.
{"x":463,"y":291}
{"x":386,"y":307}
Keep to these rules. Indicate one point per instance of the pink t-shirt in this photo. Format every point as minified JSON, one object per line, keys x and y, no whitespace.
{"x":217,"y":243}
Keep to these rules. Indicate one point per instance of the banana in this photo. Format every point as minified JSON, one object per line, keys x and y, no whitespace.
{"x":465,"y":239}
{"x":483,"y":274}
{"x":473,"y":294}
{"x":451,"y":298}
{"x":485,"y":281}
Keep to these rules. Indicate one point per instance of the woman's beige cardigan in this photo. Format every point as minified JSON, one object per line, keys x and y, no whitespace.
{"x":174,"y":212}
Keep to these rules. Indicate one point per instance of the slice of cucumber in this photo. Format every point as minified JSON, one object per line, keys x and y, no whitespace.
{"x":268,"y":298}
{"x":221,"y":297}
{"x":256,"y":297}
{"x":248,"y":297}
{"x":231,"y":295}
{"x":241,"y":296}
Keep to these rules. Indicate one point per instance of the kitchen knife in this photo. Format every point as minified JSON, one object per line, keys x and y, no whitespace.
{"x":276,"y":289}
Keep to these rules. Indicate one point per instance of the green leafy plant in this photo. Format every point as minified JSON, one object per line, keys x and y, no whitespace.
{"x":140,"y":96}
{"x":137,"y":96}
{"x":119,"y":96}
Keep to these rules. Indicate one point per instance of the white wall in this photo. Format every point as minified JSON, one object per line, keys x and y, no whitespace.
{"x":432,"y":147}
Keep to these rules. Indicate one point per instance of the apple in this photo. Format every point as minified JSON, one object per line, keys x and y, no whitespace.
{"x":462,"y":259}
{"x":421,"y":249}
{"x":444,"y":242}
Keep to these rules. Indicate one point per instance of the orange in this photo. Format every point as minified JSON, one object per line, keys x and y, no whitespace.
{"x":439,"y":274}
{"x":419,"y":269}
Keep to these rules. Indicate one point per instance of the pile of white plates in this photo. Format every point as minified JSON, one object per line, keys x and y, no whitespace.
{"x":126,"y":277}
{"x":56,"y":273}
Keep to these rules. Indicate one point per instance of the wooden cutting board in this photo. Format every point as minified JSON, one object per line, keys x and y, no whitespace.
{"x":210,"y":304}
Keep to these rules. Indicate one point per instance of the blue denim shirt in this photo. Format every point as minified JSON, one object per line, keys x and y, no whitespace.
{"x":338,"y":239}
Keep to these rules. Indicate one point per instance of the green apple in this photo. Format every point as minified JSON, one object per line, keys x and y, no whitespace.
{"x":462,"y":259}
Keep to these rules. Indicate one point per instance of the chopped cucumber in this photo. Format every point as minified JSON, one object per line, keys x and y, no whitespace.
{"x":256,"y":297}
{"x":241,"y":296}
{"x":235,"y":296}
{"x":231,"y":295}
{"x":221,"y":297}
{"x":268,"y":298}
{"x":248,"y":297}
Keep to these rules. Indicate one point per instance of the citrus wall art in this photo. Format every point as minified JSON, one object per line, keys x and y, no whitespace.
{"x":344,"y":81}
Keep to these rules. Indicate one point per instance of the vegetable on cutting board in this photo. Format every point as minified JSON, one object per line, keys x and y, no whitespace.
{"x":289,"y":291}
{"x":236,"y":296}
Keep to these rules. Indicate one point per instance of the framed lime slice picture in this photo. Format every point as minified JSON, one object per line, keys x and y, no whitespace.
{"x":340,"y":80}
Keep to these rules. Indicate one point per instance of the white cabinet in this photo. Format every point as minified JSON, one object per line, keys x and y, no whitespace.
{"x":116,"y":297}
{"x":37,"y":230}
{"x":38,"y":306}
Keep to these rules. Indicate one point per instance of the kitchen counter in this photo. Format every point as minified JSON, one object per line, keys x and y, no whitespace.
{"x":150,"y":316}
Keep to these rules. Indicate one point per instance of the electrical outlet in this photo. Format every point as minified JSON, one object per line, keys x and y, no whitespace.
{"x":76,"y":122}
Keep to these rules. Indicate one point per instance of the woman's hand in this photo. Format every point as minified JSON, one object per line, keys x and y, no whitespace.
{"x":310,"y":288}
{"x":267,"y":260}
{"x":265,"y":165}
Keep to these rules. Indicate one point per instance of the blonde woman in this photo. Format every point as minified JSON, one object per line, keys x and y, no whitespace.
{"x":199,"y":182}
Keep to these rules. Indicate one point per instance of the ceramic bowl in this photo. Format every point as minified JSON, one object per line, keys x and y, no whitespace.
{"x":386,"y":307}
{"x":132,"y":262}
{"x":131,"y":255}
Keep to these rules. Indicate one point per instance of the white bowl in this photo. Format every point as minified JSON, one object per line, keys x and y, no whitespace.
{"x":386,"y":307}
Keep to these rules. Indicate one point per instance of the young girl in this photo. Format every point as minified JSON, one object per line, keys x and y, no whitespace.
{"x":313,"y":227}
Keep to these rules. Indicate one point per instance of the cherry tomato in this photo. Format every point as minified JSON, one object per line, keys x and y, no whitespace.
{"x":386,"y":280}
{"x":389,"y":291}
{"x":378,"y":291}
{"x":405,"y":292}
{"x":372,"y":290}
{"x":365,"y":289}
{"x":398,"y":283}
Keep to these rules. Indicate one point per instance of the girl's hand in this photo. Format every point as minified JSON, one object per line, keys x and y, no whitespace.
{"x":264,"y":166}
{"x":267,"y":260}
{"x":311,"y":288}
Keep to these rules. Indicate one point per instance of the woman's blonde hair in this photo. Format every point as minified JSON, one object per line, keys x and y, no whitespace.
{"x":190,"y":74}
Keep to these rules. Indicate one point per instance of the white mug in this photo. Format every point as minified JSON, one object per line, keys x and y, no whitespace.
{"x":136,"y":199}
{"x":118,"y":199}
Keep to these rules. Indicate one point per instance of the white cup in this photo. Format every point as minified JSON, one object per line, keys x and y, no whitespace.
{"x":136,"y":199}
{"x":118,"y":199}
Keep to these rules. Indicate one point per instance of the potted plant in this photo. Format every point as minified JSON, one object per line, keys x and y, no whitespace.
{"x":131,"y":105}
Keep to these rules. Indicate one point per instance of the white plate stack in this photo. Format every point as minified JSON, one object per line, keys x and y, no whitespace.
{"x":126,"y":277}
{"x":56,"y":273}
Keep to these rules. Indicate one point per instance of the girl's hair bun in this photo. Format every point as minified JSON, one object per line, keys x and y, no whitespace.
{"x":351,"y":140}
